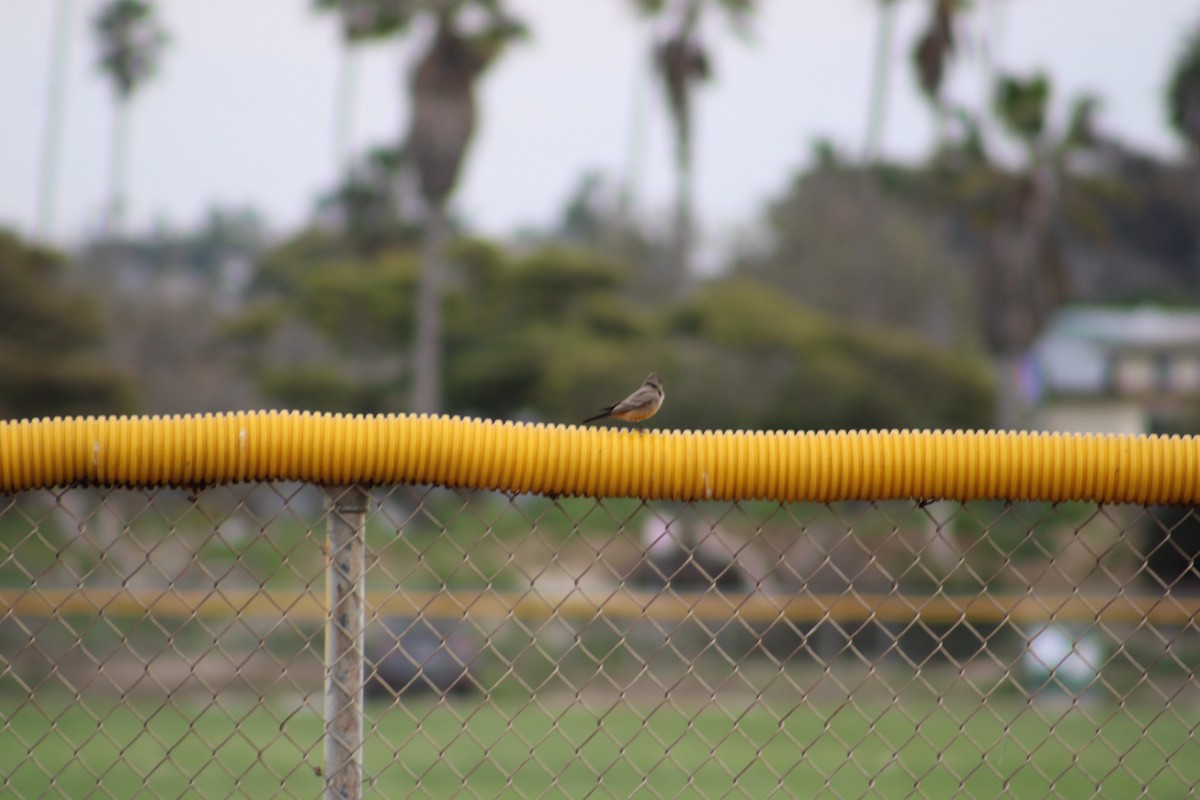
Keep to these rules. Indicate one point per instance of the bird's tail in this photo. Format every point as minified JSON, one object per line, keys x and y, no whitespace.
{"x":606,"y":412}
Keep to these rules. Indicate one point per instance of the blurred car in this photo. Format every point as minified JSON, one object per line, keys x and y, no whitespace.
{"x":420,"y":654}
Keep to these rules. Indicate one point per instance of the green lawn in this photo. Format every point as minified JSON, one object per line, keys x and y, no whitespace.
{"x":552,"y":748}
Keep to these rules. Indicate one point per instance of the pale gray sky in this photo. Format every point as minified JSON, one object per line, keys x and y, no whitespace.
{"x":242,"y":112}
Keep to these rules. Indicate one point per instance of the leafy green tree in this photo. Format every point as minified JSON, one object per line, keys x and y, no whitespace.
{"x":747,"y":356}
{"x":131,"y":41}
{"x":368,"y":205}
{"x":1021,"y":104}
{"x":225,"y":234}
{"x":532,"y":335}
{"x":852,"y":243}
{"x":546,"y":335}
{"x":50,"y":341}
{"x":326,"y":329}
{"x":595,"y":217}
{"x":207,"y":253}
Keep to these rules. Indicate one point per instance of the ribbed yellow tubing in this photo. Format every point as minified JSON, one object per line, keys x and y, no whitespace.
{"x":597,"y":461}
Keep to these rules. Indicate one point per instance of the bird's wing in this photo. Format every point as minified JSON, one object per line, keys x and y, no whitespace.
{"x":639,"y":399}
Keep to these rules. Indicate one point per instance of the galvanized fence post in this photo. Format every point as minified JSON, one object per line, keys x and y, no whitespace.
{"x":344,"y":624}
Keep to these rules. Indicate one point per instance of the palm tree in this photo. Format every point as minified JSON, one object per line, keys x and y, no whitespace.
{"x":55,"y":92}
{"x":933,"y":51}
{"x":131,"y":43}
{"x":880,"y":74}
{"x":1024,"y":275}
{"x":367,"y":205}
{"x":682,"y":63}
{"x":1022,"y":281}
{"x":362,"y":21}
{"x":1183,"y":102}
{"x":443,"y":123}
{"x":1183,"y":94}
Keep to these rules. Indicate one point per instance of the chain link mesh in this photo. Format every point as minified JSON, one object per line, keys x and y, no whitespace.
{"x":170,"y":644}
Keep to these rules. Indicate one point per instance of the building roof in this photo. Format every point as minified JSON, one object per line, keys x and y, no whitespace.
{"x":1083,"y":350}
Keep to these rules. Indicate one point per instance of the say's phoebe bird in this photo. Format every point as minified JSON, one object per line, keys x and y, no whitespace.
{"x":640,"y":405}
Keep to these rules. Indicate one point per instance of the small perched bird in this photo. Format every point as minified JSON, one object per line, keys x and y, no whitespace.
{"x":642,"y":404}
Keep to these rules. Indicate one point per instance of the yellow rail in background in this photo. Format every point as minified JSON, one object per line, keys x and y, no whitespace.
{"x":762,"y":608}
{"x":595,"y":461}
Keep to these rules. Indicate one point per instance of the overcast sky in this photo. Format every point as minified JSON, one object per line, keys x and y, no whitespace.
{"x":242,"y":112}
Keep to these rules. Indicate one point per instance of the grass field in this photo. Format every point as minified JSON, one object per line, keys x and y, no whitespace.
{"x":810,"y":728}
{"x":561,"y":747}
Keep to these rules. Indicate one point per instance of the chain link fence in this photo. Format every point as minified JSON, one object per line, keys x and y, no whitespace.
{"x":169,"y":643}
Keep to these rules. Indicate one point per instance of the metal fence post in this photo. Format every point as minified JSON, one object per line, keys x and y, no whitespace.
{"x":344,"y":624}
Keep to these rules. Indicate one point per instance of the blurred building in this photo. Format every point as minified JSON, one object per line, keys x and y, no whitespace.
{"x":1105,"y":370}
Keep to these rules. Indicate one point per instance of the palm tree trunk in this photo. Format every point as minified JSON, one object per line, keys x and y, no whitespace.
{"x":118,"y":156}
{"x":684,"y":232}
{"x":681,"y":262}
{"x":635,"y":151}
{"x":51,"y":135}
{"x":427,"y":388}
{"x":877,"y":111}
{"x":343,"y":124}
